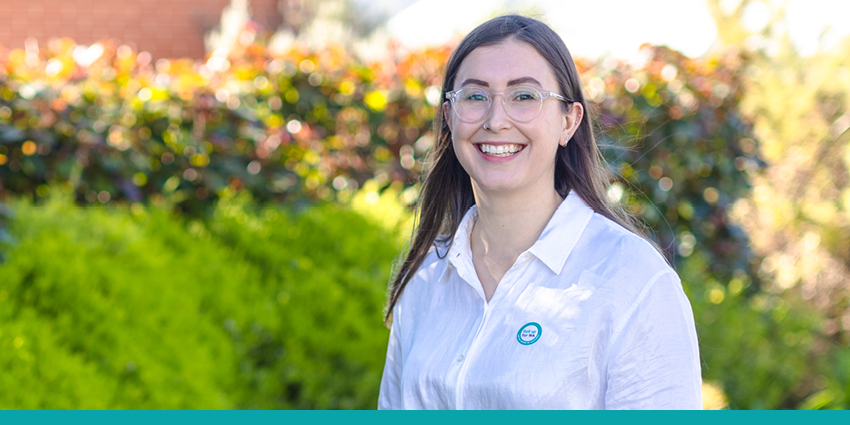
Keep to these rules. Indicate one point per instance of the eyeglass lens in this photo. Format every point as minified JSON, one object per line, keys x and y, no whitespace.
{"x":521,"y":103}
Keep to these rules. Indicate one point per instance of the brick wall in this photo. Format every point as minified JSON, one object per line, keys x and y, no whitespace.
{"x":165,"y":28}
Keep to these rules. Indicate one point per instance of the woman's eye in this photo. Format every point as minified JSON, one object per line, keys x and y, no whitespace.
{"x":524,"y":96}
{"x":475,"y":97}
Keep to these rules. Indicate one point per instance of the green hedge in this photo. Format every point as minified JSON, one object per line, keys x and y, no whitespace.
{"x":287,"y":126}
{"x":119,"y":308}
{"x":758,"y":347}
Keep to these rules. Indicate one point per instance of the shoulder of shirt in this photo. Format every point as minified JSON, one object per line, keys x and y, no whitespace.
{"x":621,"y":257}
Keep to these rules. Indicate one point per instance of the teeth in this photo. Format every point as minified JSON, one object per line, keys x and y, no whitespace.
{"x":500,"y":150}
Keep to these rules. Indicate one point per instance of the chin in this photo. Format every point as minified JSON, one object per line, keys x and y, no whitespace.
{"x":500,"y":187}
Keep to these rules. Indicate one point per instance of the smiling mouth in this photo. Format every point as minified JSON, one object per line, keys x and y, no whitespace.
{"x":500,"y":150}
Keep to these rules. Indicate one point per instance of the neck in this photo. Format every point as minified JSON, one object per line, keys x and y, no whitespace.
{"x":510,"y":223}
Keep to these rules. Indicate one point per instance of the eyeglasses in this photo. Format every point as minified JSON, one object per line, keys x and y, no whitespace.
{"x":522,"y":103}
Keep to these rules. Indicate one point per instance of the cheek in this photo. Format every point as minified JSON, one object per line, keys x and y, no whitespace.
{"x":461,"y":153}
{"x":555,"y":128}
{"x":461,"y":133}
{"x":464,"y":151}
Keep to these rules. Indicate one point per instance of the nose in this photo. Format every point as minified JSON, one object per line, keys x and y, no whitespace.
{"x":497,"y":117}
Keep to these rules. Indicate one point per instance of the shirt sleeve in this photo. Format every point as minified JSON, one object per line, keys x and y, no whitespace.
{"x":390,"y":395}
{"x":653,"y":361}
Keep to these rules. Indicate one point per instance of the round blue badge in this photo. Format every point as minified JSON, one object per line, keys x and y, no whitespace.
{"x":529,"y":333}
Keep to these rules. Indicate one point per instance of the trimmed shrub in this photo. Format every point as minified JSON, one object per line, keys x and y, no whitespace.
{"x":120,"y":308}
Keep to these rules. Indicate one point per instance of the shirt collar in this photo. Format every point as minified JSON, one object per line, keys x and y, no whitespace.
{"x":563,"y":231}
{"x":460,"y":253}
{"x":554,"y":245}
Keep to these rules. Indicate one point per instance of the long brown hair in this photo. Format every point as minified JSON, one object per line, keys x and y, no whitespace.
{"x":447,"y":192}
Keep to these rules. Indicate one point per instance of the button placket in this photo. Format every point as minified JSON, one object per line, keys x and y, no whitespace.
{"x":458,"y":360}
{"x":469,"y":351}
{"x":466,"y":273}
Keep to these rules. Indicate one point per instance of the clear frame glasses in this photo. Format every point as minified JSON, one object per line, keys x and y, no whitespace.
{"x":522,"y":103}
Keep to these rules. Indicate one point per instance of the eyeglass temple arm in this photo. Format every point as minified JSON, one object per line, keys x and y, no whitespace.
{"x":559,"y":97}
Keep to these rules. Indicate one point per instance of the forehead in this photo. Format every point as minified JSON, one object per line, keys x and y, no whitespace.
{"x":500,"y":63}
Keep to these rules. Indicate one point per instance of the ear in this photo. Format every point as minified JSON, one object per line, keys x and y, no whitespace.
{"x":572,"y":120}
{"x":576,"y":115}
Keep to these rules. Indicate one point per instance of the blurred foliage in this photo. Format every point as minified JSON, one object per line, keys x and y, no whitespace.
{"x":135,"y":308}
{"x":758,"y":347}
{"x":798,"y":211}
{"x":293,"y":125}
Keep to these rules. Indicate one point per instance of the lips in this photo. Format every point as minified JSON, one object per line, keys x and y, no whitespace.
{"x":500,"y":150}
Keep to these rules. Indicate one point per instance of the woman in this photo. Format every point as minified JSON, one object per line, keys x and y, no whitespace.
{"x":523,"y":287}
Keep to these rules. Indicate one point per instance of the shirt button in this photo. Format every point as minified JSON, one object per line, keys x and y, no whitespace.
{"x":460,"y":357}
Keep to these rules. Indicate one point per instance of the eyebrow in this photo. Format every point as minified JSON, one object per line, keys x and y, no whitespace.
{"x":523,"y":80}
{"x":475,"y":82}
{"x":514,"y":82}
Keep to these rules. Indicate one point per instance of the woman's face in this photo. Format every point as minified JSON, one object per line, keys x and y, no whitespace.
{"x":499,"y":153}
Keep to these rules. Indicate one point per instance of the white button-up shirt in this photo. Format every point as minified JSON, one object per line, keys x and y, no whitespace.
{"x":589,"y":317}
